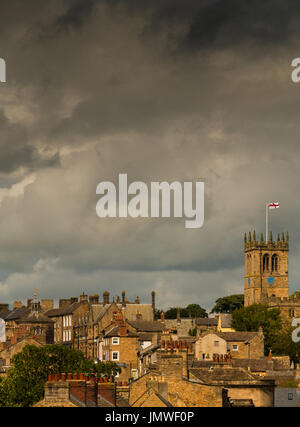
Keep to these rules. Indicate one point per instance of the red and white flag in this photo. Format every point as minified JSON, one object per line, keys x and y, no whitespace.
{"x":273,"y":205}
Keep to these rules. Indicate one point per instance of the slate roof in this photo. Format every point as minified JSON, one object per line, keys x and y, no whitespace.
{"x":131,"y":310}
{"x":237,"y":336}
{"x":35,"y":318}
{"x":257,"y":365}
{"x":207,"y":321}
{"x":62,"y":311}
{"x":226,"y":320}
{"x":4,"y":314}
{"x":101,"y":312}
{"x":114,"y":332}
{"x":146,"y":326}
{"x":221,"y":374}
{"x":17,"y":313}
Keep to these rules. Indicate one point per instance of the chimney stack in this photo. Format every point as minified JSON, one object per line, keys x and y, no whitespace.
{"x":105,"y":297}
{"x":17,"y":304}
{"x":94,"y":299}
{"x":123,"y":298}
{"x":83,"y":297}
{"x":107,"y":391}
{"x":153,"y":301}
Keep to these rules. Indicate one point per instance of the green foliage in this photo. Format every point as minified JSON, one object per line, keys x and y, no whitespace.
{"x":252,"y":317}
{"x":24,"y":384}
{"x":192,"y":310}
{"x":283,"y":345}
{"x":193,"y":332}
{"x":289,"y":384}
{"x":228,"y":304}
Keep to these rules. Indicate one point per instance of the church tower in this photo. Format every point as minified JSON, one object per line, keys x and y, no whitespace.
{"x":266,"y":268}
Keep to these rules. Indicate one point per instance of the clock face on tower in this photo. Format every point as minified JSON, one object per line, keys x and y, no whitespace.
{"x":271,"y":280}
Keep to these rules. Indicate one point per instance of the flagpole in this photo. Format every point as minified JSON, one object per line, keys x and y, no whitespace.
{"x":267,"y":221}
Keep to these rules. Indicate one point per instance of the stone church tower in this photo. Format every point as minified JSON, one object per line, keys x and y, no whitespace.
{"x":266,"y":269}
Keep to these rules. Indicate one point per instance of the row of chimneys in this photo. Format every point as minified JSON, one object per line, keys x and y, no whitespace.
{"x":176,"y":345}
{"x":85,"y":377}
{"x":83,"y":389}
{"x":48,"y":304}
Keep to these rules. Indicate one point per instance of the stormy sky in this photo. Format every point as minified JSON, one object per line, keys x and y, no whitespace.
{"x":161,"y":90}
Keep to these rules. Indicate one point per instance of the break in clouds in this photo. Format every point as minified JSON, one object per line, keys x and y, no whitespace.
{"x":163,"y":91}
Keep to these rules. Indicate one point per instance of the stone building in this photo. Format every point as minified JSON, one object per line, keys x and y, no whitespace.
{"x":174,"y":383}
{"x":266,"y":278}
{"x":239,"y":345}
{"x":125,"y":343}
{"x":8,"y":352}
{"x":88,"y":329}
{"x":66,"y":317}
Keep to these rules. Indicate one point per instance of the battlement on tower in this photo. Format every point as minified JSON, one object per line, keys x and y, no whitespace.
{"x":281,"y":243}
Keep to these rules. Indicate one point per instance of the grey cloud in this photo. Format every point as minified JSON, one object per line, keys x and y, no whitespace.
{"x":162,"y":91}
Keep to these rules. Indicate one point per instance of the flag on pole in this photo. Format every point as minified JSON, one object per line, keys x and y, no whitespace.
{"x":270,"y":205}
{"x":273,"y":205}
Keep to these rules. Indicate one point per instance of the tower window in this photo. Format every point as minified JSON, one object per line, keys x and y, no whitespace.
{"x":275,"y":262}
{"x":266,"y":262}
{"x":291,"y":313}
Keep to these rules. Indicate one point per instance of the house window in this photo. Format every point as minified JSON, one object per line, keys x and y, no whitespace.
{"x":216,"y":343}
{"x":115,"y":356}
{"x":115,"y":341}
{"x":235,"y":347}
{"x":290,"y":396}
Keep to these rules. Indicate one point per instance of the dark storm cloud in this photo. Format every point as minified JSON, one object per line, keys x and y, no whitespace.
{"x":163,"y":90}
{"x":212,"y":24}
{"x":234,"y":22}
{"x":76,"y":14}
{"x":16,"y":150}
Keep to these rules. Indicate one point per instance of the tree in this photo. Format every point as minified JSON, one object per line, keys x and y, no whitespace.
{"x":24,"y":384}
{"x":252,"y":317}
{"x":192,"y":310}
{"x":228,"y":304}
{"x":283,"y":345}
{"x":193,"y":332}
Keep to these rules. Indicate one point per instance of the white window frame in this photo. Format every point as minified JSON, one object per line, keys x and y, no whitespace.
{"x":112,"y":356}
{"x":117,"y":339}
{"x":235,"y":347}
